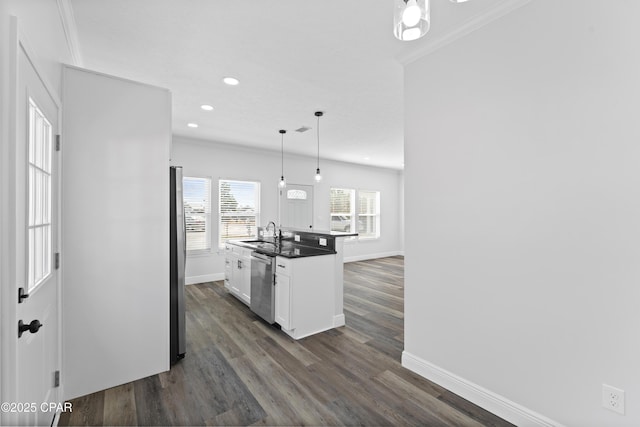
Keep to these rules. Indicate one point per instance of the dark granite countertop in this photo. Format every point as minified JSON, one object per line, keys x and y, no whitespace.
{"x":286,"y":248}
{"x":324,"y":232}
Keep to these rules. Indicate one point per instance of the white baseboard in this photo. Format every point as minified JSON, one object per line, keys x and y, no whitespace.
{"x":486,"y":399}
{"x":372,"y":256}
{"x":338,"y":320}
{"x":204,"y":278}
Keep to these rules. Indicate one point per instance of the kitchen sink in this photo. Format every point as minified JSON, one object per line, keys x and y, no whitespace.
{"x":259,"y":244}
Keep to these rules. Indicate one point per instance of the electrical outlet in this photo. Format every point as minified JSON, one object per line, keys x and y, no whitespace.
{"x":613,"y":398}
{"x":323,"y":242}
{"x":296,"y":237}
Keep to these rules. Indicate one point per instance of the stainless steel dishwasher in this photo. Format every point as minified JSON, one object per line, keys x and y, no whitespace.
{"x":263,"y":285}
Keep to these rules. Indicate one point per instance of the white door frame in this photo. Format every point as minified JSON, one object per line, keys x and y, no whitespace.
{"x":8,"y":220}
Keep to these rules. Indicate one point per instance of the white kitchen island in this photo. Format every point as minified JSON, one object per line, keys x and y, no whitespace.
{"x":308,"y":278}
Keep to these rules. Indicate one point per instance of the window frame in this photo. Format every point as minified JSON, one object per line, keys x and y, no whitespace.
{"x":375,"y":215}
{"x":208,"y":220}
{"x":355,"y":213}
{"x":39,"y":198}
{"x":256,"y":214}
{"x":351,"y":214}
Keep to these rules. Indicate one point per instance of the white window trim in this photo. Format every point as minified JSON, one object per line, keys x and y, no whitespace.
{"x":355,"y":215}
{"x":351,"y":214}
{"x":376,"y":215}
{"x":258,"y":214}
{"x":46,"y":202}
{"x":195,"y":253}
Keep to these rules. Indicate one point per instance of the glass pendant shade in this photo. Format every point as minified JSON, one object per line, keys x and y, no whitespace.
{"x":411,"y":19}
{"x":282,"y":182}
{"x":318,"y":177}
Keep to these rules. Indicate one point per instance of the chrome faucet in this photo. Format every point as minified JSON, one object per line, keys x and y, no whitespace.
{"x":266,"y":229}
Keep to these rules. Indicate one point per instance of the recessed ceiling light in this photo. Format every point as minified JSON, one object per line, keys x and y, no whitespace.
{"x":231,"y":81}
{"x":192,"y":125}
{"x":367,"y":158}
{"x":206,"y":107}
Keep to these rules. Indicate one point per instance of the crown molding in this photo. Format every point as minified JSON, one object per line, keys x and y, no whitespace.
{"x":70,"y":31}
{"x":467,"y":27}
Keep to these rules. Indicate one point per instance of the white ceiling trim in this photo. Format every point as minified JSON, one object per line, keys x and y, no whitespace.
{"x":70,"y":31}
{"x":468,"y":27}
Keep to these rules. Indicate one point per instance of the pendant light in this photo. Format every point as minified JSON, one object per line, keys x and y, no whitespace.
{"x":411,"y":19}
{"x":318,"y":176}
{"x":282,"y":182}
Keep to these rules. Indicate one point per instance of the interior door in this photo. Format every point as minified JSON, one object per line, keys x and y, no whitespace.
{"x":296,"y":206}
{"x":37,"y":189}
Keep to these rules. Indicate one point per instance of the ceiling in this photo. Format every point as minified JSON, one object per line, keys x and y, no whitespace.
{"x":292,"y":58}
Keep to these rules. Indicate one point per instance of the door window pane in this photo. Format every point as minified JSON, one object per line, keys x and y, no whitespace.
{"x":39,"y":198}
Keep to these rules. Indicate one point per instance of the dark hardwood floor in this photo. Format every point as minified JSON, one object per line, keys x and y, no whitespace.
{"x":241,"y":371}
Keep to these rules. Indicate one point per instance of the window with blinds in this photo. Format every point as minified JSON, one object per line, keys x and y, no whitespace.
{"x":197,"y":213}
{"x":368,"y":214}
{"x":342,"y":204}
{"x":239,"y":209}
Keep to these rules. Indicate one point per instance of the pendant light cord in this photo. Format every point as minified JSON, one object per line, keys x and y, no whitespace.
{"x":318,"y":115}
{"x":282,"y":132}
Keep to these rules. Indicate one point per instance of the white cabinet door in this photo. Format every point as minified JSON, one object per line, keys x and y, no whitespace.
{"x":245,"y":276}
{"x":304,"y":295}
{"x":237,"y":273}
{"x":228,"y":266}
{"x":283,"y":301}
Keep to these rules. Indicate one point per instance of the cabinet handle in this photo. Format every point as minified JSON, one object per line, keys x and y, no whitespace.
{"x":239,"y":264}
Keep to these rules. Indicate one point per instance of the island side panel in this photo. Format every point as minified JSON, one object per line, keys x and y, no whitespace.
{"x":338,"y":316}
{"x":312,"y":294}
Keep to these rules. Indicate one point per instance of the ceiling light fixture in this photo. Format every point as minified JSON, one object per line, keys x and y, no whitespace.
{"x":231,"y":81}
{"x":318,"y":177}
{"x":282,"y":182}
{"x":412,"y":18}
{"x":206,"y":107}
{"x":192,"y":125}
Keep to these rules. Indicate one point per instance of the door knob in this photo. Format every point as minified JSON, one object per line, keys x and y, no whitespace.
{"x":32,"y":327}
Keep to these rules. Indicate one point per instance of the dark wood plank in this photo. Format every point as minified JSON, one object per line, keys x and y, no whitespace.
{"x":87,"y":410}
{"x":150,"y":410}
{"x":241,"y":371}
{"x":120,"y":406}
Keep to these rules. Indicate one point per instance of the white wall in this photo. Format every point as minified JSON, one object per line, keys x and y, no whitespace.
{"x":522,"y":201}
{"x":217,"y":160}
{"x":39,"y":23}
{"x":115,"y":231}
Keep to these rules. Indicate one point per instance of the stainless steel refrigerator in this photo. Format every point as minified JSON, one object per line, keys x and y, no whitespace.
{"x":178,"y":254}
